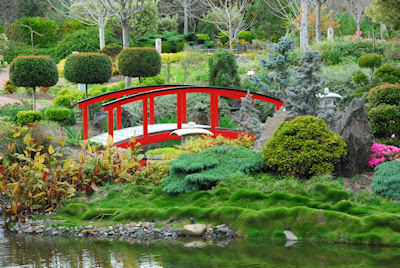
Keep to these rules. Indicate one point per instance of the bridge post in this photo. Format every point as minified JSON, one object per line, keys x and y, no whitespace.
{"x":119,"y":117}
{"x":145,"y":117}
{"x":151,"y":110}
{"x":184,"y":108}
{"x":85,"y":122}
{"x":214,"y":111}
{"x":179,"y":110}
{"x":111,"y":122}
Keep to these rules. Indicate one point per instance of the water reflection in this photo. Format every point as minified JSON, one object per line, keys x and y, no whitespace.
{"x":68,"y":252}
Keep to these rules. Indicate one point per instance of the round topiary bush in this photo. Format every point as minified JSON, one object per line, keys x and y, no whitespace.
{"x":27,"y":117}
{"x":388,"y":73}
{"x":303,"y":147}
{"x":58,"y":114}
{"x":139,"y":62}
{"x":384,"y":120}
{"x":384,"y":94}
{"x":360,"y":78}
{"x":88,"y":68}
{"x":111,"y":50}
{"x":370,"y":61}
{"x":33,"y":71}
{"x":223,"y":70}
{"x":386,"y":181}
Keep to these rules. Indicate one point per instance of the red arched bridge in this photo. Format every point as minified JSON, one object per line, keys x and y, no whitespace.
{"x":150,"y":132}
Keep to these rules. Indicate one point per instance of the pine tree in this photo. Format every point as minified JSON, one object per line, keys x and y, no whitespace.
{"x":247,"y":117}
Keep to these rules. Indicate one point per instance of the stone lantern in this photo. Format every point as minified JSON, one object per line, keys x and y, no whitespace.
{"x":327,"y":100}
{"x":192,"y":130}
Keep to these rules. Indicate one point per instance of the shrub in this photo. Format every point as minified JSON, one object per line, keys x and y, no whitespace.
{"x":382,"y":153}
{"x":88,"y":68}
{"x":10,"y":111}
{"x":303,"y":147}
{"x":388,"y":73}
{"x":370,"y":61}
{"x":68,"y":97}
{"x":193,"y":172}
{"x":60,"y":67}
{"x":223,"y":37}
{"x":69,"y":27}
{"x":139,"y":62}
{"x":246,"y":35}
{"x":166,"y":47}
{"x":203,"y":36}
{"x":60,"y":114}
{"x":205,"y":142}
{"x":111,"y":50}
{"x":33,"y":71}
{"x":384,"y":120}
{"x":384,"y":94}
{"x":10,"y":88}
{"x":386,"y":181}
{"x":360,"y":78}
{"x":153,"y":172}
{"x":172,"y":57}
{"x":26,"y":117}
{"x":223,"y":70}
{"x":180,"y":46}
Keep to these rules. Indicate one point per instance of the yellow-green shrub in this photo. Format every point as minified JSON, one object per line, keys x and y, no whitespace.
{"x":60,"y":67}
{"x":172,"y":57}
{"x":205,"y":142}
{"x":26,"y":117}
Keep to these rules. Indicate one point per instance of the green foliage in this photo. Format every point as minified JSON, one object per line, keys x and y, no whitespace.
{"x":47,"y":29}
{"x":139,"y":62}
{"x":384,"y":120}
{"x":33,"y":71}
{"x":303,"y":147}
{"x":71,"y":26}
{"x":223,"y":70}
{"x":19,"y":49}
{"x":26,"y":117}
{"x":384,"y":94}
{"x":386,"y":180}
{"x":246,"y":35}
{"x":58,"y":114}
{"x":193,"y":172}
{"x":166,"y":47}
{"x":223,"y":37}
{"x":370,"y":61}
{"x":68,"y":97}
{"x":385,"y":12}
{"x":360,"y":78}
{"x":85,"y":40}
{"x":204,"y":36}
{"x":388,"y":73}
{"x":153,"y":172}
{"x":87,"y":68}
{"x":205,"y":142}
{"x":146,"y":21}
{"x":10,"y":88}
{"x":111,"y":50}
{"x":168,"y":24}
{"x":10,"y":111}
{"x":205,"y":27}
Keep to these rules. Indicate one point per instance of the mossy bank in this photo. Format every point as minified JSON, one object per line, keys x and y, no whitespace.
{"x":257,"y":207}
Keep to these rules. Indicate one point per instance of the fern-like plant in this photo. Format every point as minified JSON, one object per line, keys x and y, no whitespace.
{"x":387,"y":180}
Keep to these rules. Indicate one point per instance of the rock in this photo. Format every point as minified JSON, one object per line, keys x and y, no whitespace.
{"x":270,"y":127}
{"x":99,"y":120}
{"x":193,"y":229}
{"x":200,"y":117}
{"x":195,"y":244}
{"x":290,"y":236}
{"x":357,"y":133}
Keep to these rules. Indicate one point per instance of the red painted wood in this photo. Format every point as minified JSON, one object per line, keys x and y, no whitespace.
{"x":111,"y":122}
{"x":119,"y":117}
{"x":145,"y":117}
{"x":214,"y":111}
{"x":179,"y":110}
{"x":184,"y":108}
{"x":152,"y":121}
{"x":85,"y":122}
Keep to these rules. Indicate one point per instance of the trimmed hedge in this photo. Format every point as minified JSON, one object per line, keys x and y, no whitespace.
{"x":68,"y":97}
{"x":370,"y":61}
{"x":26,"y":117}
{"x":303,"y":147}
{"x":386,"y":181}
{"x":139,"y":62}
{"x":388,"y":73}
{"x":384,"y":94}
{"x":384,"y":120}
{"x":58,"y":114}
{"x":88,"y":68}
{"x":360,"y":78}
{"x":33,"y":71}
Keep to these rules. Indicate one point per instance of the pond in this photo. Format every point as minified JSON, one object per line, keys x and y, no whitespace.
{"x":35,"y":251}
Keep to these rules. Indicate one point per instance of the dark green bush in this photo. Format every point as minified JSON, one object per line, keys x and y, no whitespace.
{"x":384,"y":94}
{"x":139,"y":62}
{"x":180,"y":46}
{"x":166,"y":47}
{"x":69,"y":27}
{"x":388,"y":73}
{"x":111,"y":50}
{"x":193,"y":172}
{"x":386,"y":181}
{"x":246,"y":35}
{"x":11,"y":110}
{"x":223,"y":37}
{"x":360,"y":78}
{"x":384,"y":120}
{"x":223,"y":70}
{"x":58,"y":114}
{"x":370,"y":61}
{"x":19,"y":49}
{"x":26,"y":117}
{"x":88,"y":68}
{"x":303,"y":147}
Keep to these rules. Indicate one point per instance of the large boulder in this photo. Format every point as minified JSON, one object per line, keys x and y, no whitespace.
{"x":270,"y":127}
{"x":357,"y":133}
{"x":99,"y":120}
{"x":193,"y":229}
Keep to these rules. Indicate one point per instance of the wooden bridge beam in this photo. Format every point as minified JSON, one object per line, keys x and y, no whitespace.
{"x":111,"y":122}
{"x":214,"y":111}
{"x":145,"y":117}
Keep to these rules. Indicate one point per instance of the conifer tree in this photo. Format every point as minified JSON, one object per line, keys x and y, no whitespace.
{"x":247,"y":117}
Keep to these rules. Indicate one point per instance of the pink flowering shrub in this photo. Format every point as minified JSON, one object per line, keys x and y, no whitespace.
{"x":382,"y":153}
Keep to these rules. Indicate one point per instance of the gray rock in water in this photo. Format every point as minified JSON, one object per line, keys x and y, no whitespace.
{"x":290,"y":236}
{"x":99,"y":120}
{"x":271,"y":126}
{"x":193,"y":229}
{"x":357,"y":133}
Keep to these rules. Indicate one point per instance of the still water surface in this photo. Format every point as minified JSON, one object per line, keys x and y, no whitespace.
{"x":34,"y":251}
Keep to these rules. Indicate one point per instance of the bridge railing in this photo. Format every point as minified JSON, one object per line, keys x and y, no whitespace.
{"x":147,"y":98}
{"x":85,"y":103}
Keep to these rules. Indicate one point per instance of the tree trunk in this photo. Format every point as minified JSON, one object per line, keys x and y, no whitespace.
{"x":382,"y":30}
{"x":34,"y":99}
{"x":358,"y":29}
{"x":125,"y":41}
{"x":86,"y":91}
{"x":318,"y":23}
{"x":304,"y":26}
{"x":102,"y":37}
{"x":185,"y":18}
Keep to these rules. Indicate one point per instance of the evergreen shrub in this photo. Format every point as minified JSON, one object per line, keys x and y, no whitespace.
{"x":246,"y":35}
{"x":204,"y":36}
{"x":303,"y":147}
{"x":139,"y":62}
{"x":370,"y":61}
{"x":202,"y":171}
{"x":223,"y":70}
{"x":388,"y":73}
{"x":166,"y":47}
{"x":384,"y":94}
{"x":9,"y":87}
{"x":68,"y":97}
{"x":111,"y":50}
{"x":386,"y":181}
{"x":11,"y":110}
{"x":26,"y":117}
{"x":58,"y":114}
{"x":360,"y":78}
{"x":384,"y":120}
{"x":223,"y":37}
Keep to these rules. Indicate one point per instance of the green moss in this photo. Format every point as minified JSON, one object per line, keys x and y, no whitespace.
{"x":74,"y":209}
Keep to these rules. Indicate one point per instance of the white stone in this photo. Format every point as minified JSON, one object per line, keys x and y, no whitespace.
{"x":159,"y":45}
{"x":193,"y":229}
{"x":330,"y":33}
{"x":290,"y":236}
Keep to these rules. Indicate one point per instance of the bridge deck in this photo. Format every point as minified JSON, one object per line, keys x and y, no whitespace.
{"x":125,"y":134}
